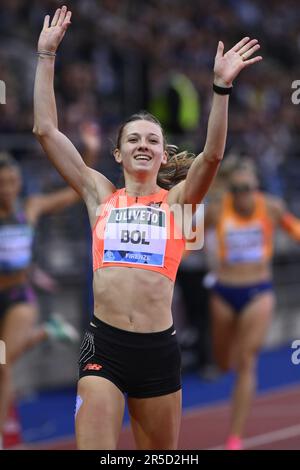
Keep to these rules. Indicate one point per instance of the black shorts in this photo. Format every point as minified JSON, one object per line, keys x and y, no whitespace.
{"x":142,"y":365}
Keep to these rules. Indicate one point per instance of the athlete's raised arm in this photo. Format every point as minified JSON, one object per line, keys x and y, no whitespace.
{"x":226,"y":68}
{"x":283,"y":218}
{"x":90,"y":184}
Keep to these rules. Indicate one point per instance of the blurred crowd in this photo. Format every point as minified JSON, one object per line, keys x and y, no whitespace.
{"x":122,"y":56}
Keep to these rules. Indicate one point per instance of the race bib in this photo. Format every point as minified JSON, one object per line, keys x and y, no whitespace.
{"x":15,"y":247}
{"x":135,"y":235}
{"x":244,"y":245}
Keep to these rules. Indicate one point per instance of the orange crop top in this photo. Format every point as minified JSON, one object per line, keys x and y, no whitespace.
{"x":137,"y":232}
{"x":241,"y":239}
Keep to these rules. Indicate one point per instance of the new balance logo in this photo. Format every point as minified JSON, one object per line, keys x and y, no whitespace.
{"x":92,"y":367}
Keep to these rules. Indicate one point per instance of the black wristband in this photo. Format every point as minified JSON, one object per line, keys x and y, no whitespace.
{"x":222,"y":90}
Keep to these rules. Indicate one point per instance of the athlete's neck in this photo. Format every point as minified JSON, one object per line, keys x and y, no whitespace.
{"x":136,"y":189}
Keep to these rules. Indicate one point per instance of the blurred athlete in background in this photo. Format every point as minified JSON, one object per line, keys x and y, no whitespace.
{"x":18,"y":303}
{"x":242,"y":299}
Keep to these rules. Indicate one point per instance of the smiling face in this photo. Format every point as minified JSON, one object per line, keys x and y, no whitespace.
{"x":141,"y":148}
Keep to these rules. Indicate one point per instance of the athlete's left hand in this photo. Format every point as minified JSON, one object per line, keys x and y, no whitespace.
{"x":228,"y":66}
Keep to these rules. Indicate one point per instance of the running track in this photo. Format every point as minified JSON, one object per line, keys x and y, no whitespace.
{"x":274,"y":424}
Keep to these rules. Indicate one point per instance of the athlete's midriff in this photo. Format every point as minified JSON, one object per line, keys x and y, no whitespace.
{"x":133,"y":299}
{"x":244,"y":273}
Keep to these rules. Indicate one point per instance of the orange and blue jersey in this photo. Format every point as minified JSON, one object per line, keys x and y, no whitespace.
{"x":137,"y":232}
{"x":244,"y":239}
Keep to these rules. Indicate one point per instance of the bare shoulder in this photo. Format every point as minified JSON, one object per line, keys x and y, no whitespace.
{"x":212,"y":208}
{"x":174,"y":195}
{"x":275,"y":207}
{"x":96,"y":188}
{"x":96,"y":185}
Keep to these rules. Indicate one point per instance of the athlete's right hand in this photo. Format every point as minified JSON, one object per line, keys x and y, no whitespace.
{"x":52,"y":35}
